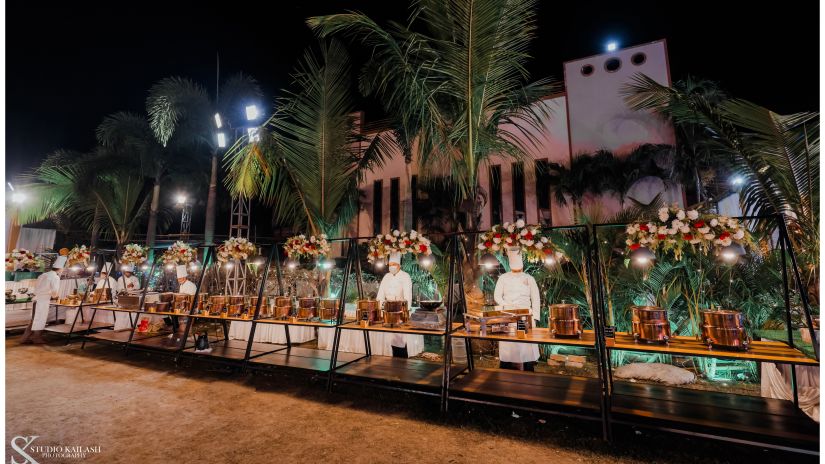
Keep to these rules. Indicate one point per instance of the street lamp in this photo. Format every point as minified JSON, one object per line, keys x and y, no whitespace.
{"x":251,"y":112}
{"x":185,"y":215}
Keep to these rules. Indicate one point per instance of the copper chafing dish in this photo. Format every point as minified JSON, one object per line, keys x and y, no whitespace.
{"x":99,"y":295}
{"x":724,"y":328}
{"x":253,"y":304}
{"x":282,"y":306}
{"x":166,"y":297}
{"x":182,"y":302}
{"x":150,"y":307}
{"x":129,"y":302}
{"x":564,"y":321}
{"x":163,"y":306}
{"x":650,"y":324}
{"x":217,"y":303}
{"x":235,"y":309}
{"x":203,"y":299}
{"x":395,"y":313}
{"x":328,"y":309}
{"x":369,"y":310}
{"x":236,"y":299}
{"x":307,"y":307}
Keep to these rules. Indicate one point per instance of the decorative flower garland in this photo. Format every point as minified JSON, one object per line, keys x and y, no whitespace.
{"x":178,"y":253}
{"x":22,"y":260}
{"x":236,"y":248}
{"x":78,"y":255}
{"x":535,"y":245}
{"x":299,"y":247}
{"x":134,"y":254}
{"x":678,"y":228}
{"x":398,"y":242}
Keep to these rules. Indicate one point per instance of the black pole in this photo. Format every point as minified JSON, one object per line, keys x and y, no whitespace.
{"x":803,"y":293}
{"x":602,"y":354}
{"x":255,"y":316}
{"x":448,"y":340}
{"x":333,"y":359}
{"x":191,"y":320}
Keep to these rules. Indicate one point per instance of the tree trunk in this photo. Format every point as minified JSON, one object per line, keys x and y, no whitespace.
{"x":209,"y":229}
{"x":95,"y":226}
{"x":151,"y":230}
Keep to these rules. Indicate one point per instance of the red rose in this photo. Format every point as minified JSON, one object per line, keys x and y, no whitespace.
{"x":635,"y":246}
{"x":497,"y":236}
{"x":528,"y":236}
{"x":661,"y":236}
{"x":387,"y":242}
{"x":698,"y":224}
{"x":513,"y":236}
{"x":422,"y":248}
{"x":644,"y":227}
{"x":724,"y":235}
{"x":488,"y":244}
{"x":407,"y":242}
{"x":688,"y":237}
{"x":547,"y":251}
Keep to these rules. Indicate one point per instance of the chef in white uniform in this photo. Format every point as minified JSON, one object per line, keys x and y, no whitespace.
{"x":396,"y":285}
{"x":106,"y":280}
{"x":518,"y":290}
{"x":46,"y":288}
{"x":128,"y":282}
{"x":187,"y":287}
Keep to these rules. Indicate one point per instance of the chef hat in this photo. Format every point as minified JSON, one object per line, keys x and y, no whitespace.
{"x":60,"y":262}
{"x":514,"y":256}
{"x":182,"y":271}
{"x":395,"y":257}
{"x":128,"y":268}
{"x":107,"y":268}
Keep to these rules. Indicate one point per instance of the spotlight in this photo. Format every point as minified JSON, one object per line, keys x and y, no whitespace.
{"x":379,"y":264}
{"x":327,"y":263}
{"x":612,"y":46}
{"x":488,"y":262}
{"x":425,"y":261}
{"x":90,"y":268}
{"x":642,"y":256}
{"x":170,"y":266}
{"x":145,"y":267}
{"x":218,"y":122}
{"x":550,"y":260}
{"x":221,"y":140}
{"x":228,"y":265}
{"x":732,"y":252}
{"x":291,"y":264}
{"x":251,"y":113}
{"x":737,"y":180}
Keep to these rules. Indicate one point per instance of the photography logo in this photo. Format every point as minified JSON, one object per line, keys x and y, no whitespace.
{"x":30,"y":453}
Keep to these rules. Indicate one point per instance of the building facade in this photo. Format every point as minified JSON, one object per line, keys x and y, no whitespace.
{"x":589,"y":115}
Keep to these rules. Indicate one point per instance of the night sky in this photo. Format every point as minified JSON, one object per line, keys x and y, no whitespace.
{"x":71,"y":63}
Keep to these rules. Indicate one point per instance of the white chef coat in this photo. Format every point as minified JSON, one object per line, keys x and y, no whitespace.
{"x":518,"y":290}
{"x":188,"y":288}
{"x":395,"y":287}
{"x":46,"y":288}
{"x":128,"y":284}
{"x":101,"y":283}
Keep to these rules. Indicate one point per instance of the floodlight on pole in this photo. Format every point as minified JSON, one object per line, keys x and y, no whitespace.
{"x":181,"y":200}
{"x":251,"y":112}
{"x":221,"y":140}
{"x":218,"y":121}
{"x":612,"y":46}
{"x":18,"y":197}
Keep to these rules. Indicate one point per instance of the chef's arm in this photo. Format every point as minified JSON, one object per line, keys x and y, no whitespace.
{"x":498,"y":294}
{"x":407,"y":289}
{"x":535,"y":300}
{"x":55,"y":288}
{"x":380,"y":297}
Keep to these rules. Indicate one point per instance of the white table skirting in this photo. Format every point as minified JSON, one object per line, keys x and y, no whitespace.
{"x":270,"y":333}
{"x":352,"y":341}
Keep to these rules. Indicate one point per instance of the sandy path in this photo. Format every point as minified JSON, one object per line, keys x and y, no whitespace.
{"x":145,"y":409}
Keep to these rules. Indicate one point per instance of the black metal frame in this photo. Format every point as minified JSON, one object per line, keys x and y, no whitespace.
{"x":787,"y":252}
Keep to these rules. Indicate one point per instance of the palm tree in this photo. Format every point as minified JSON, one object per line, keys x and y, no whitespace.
{"x":459,"y":83}
{"x":777,"y":156}
{"x":179,"y":107}
{"x":309,"y":160}
{"x":123,"y":198}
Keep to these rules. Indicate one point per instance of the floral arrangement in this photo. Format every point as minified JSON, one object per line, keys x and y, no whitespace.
{"x":398,"y":242}
{"x":533,"y":243}
{"x":23,"y":260}
{"x":78,"y":255}
{"x":677,"y":229}
{"x":236,"y":248}
{"x":299,"y":246}
{"x":178,"y":253}
{"x":133,"y":254}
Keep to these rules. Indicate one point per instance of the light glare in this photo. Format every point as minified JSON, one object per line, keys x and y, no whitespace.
{"x":218,"y":121}
{"x":251,"y":113}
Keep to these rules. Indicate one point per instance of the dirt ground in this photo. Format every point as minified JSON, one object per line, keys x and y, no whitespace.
{"x":145,"y":409}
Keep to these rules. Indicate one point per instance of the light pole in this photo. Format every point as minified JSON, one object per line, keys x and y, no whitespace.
{"x":185,"y":215}
{"x":239,"y":221}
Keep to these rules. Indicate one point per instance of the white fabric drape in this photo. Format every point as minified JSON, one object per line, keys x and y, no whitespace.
{"x":36,"y":240}
{"x":270,"y":333}
{"x":776,"y":383}
{"x":352,"y":341}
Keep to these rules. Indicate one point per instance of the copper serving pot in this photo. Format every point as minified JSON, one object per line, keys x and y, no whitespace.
{"x":236,"y":299}
{"x":395,"y":313}
{"x":328,"y":309}
{"x":650,"y":324}
{"x":235,"y":309}
{"x":163,"y":306}
{"x":564,"y":321}
{"x":369,"y":310}
{"x":282,"y":307}
{"x":217,"y":303}
{"x":253,"y":304}
{"x":724,"y":328}
{"x":150,"y":307}
{"x":307,"y":307}
{"x":203,"y":298}
{"x":182,"y":302}
{"x":166,"y":297}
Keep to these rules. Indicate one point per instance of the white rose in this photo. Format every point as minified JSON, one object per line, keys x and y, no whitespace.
{"x":676,"y":224}
{"x":739,"y":235}
{"x":544,"y":240}
{"x":529,"y":243}
{"x":539,"y":246}
{"x":663,"y":214}
{"x":680,"y":215}
{"x":496,"y":240}
{"x":396,"y":233}
{"x":709,"y":236}
{"x":523,"y":232}
{"x":496,"y":247}
{"x":684,"y":229}
{"x":631,"y":229}
{"x":704,"y":230}
{"x":628,"y":242}
{"x":413,"y":234}
{"x":693,"y":215}
{"x":510,"y":228}
{"x":672,"y":231}
{"x":714,"y":222}
{"x":520,"y":223}
{"x":695,"y":241}
{"x":651,"y":227}
{"x":726,"y":242}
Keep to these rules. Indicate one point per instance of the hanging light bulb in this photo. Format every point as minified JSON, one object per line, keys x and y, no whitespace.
{"x":642,"y":256}
{"x":425,"y":261}
{"x":326,"y":263}
{"x":170,"y":266}
{"x":379,"y":264}
{"x":488,"y":262}
{"x":550,"y":260}
{"x":291,"y":264}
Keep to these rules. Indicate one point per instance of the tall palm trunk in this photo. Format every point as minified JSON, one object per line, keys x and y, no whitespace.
{"x":209,"y":232}
{"x":151,"y":229}
{"x":96,"y":226}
